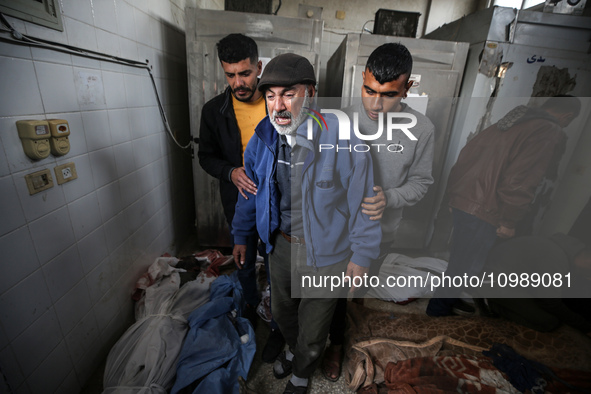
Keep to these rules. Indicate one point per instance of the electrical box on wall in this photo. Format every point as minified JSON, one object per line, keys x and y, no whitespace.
{"x":60,"y":144}
{"x":34,"y":135}
{"x":65,"y":173}
{"x":39,"y":181}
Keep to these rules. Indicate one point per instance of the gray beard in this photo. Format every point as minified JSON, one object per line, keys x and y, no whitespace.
{"x":295,"y":123}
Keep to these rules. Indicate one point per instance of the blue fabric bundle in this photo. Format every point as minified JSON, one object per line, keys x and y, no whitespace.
{"x":220,"y":344}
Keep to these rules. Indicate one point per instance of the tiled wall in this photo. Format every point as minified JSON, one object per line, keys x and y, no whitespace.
{"x":70,"y":255}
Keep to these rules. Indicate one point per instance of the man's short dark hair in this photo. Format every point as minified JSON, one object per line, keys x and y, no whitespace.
{"x":563,"y":104}
{"x":389,"y":61}
{"x":236,"y":47}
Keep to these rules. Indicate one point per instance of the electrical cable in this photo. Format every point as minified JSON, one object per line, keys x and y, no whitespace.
{"x":363,"y":27}
{"x":277,"y":9}
{"x":23,"y":39}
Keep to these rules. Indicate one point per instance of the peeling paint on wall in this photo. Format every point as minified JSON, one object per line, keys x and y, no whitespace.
{"x":552,"y":81}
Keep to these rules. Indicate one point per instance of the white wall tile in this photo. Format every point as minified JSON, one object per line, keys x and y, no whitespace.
{"x":137,"y":122}
{"x":10,"y":368}
{"x":51,"y":56}
{"x":148,"y":92}
{"x":116,"y":231}
{"x":128,"y":50}
{"x":147,"y":179}
{"x":115,"y":328}
{"x":80,"y":10}
{"x":4,"y":167}
{"x":73,"y":306}
{"x":125,"y":20}
{"x":105,"y":16}
{"x":108,"y":43}
{"x":119,"y":122}
{"x":18,"y":256}
{"x":85,"y":215}
{"x":80,"y":34}
{"x":114,"y":89}
{"x":142,"y":27}
{"x":96,"y":129}
{"x":38,"y":341}
{"x":36,"y":205}
{"x":154,"y":120}
{"x":93,"y":250}
{"x":56,"y":82}
{"x":100,"y":280}
{"x":134,"y":90}
{"x":89,"y":88}
{"x":49,"y":376}
{"x":104,"y":169}
{"x":84,"y":184}
{"x":86,"y":62}
{"x":124,"y":158}
{"x":69,"y":385}
{"x":136,"y":215}
{"x":130,"y":187}
{"x":91,"y":359}
{"x":13,"y":50}
{"x":63,"y":273}
{"x":10,"y":210}
{"x":77,"y":138}
{"x":19,"y":307}
{"x":105,"y":310}
{"x":142,"y":151}
{"x":52,"y":234}
{"x":156,"y":39}
{"x":18,"y":82}
{"x":110,"y":201}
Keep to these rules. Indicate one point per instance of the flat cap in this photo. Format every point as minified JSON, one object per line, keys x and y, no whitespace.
{"x":286,"y":70}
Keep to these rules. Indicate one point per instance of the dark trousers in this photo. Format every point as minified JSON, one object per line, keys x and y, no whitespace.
{"x":472,"y":240}
{"x":303,"y":320}
{"x":248,"y":275}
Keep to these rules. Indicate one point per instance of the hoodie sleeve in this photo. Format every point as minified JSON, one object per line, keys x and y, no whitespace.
{"x":419,"y":175}
{"x":365,"y":235}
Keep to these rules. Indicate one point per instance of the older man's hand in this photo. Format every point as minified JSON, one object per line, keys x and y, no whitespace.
{"x":239,"y":254}
{"x":355,"y":271}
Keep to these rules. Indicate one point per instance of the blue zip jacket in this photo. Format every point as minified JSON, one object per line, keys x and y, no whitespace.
{"x":333,"y":187}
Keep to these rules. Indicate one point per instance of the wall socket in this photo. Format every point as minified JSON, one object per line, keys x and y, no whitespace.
{"x":65,"y":173}
{"x":39,"y":181}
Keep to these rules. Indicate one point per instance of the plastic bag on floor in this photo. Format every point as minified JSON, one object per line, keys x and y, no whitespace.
{"x":144,"y":359}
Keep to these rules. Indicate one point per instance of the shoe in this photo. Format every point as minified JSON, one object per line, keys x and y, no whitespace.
{"x":462,"y":308}
{"x":274,"y":346}
{"x":291,"y":389}
{"x":285,"y":365}
{"x":331,"y":363}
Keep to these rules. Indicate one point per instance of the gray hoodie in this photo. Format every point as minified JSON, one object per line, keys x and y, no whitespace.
{"x":404,"y":170}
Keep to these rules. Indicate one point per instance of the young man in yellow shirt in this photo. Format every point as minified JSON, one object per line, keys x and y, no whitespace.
{"x":227,"y":124}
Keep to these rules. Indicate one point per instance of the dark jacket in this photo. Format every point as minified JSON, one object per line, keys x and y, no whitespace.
{"x":333,"y":187}
{"x":220,"y":147}
{"x":498,"y":171}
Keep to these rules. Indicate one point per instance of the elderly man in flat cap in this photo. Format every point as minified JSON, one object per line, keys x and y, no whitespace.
{"x":307,"y":210}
